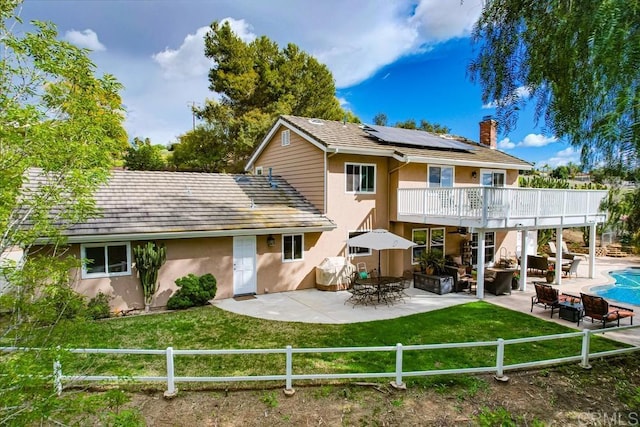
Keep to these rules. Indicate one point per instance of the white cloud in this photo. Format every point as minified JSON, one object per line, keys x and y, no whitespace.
{"x":241,"y":28}
{"x":506,"y":144}
{"x":563,"y":157}
{"x":531,"y":140}
{"x":369,"y":35}
{"x":516,"y":95}
{"x":537,"y":140}
{"x":440,"y":21}
{"x":188,"y":60}
{"x":85,"y":39}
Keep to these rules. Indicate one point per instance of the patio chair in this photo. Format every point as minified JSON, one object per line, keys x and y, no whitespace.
{"x":500,"y":283}
{"x":572,"y":268}
{"x":360,"y":294}
{"x":547,"y":297}
{"x":566,"y":251}
{"x":597,"y":308}
{"x":537,"y":263}
{"x":460,"y":282}
{"x":552,"y":248}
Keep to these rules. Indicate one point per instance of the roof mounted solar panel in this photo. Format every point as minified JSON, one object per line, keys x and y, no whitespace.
{"x":416,"y":138}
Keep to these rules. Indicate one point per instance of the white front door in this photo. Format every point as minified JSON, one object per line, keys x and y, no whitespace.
{"x":244,"y":265}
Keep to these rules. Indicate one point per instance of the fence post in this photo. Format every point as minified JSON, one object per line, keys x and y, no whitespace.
{"x":500,"y":362}
{"x":57,"y":375}
{"x":586,"y":342}
{"x":171,"y":387}
{"x":398,"y":384}
{"x":288,"y":388}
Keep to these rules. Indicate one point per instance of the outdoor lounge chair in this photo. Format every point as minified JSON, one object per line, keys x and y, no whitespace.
{"x":500,"y":283}
{"x":597,"y":308}
{"x":460,"y":282}
{"x":572,"y":268}
{"x":537,"y":263}
{"x":547,"y":297}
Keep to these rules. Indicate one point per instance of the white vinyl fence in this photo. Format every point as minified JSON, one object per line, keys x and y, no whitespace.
{"x":289,"y":376}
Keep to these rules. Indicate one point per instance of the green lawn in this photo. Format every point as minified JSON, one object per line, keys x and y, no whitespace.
{"x":212,"y":328}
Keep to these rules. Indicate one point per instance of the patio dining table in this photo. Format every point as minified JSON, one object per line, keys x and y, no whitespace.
{"x":381,"y":283}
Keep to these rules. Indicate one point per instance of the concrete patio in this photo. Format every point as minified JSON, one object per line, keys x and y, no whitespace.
{"x":313,"y":306}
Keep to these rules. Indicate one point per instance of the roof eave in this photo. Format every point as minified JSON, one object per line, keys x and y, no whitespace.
{"x":471,"y":163}
{"x":170,"y":235}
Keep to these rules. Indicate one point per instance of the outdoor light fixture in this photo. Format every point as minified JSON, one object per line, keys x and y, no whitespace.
{"x":474,"y":174}
{"x":271,"y":241}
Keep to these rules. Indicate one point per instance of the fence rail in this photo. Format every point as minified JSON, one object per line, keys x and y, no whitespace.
{"x":289,"y":376}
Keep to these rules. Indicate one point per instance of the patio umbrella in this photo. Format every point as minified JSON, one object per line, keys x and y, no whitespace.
{"x":380,"y":240}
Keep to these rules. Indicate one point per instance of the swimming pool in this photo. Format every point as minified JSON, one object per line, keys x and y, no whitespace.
{"x":626,"y":288}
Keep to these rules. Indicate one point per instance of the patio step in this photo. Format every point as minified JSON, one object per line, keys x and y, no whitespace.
{"x":616,"y":252}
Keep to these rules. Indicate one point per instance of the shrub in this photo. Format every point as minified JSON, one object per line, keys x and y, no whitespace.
{"x":59,"y":302}
{"x":98,"y":306}
{"x":194,"y":291}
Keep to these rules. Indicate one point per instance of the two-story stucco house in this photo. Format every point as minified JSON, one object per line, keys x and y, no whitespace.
{"x":455,"y":195}
{"x":312,"y":184}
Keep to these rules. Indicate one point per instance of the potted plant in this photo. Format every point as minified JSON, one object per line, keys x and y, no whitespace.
{"x":550,"y":274}
{"x":515,"y":282}
{"x":432,"y":261}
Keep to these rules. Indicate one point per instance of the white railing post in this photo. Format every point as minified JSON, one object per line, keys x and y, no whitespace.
{"x":500,"y":362}
{"x":171,"y":387}
{"x":288,"y":388}
{"x":398,"y":382}
{"x":586,"y":342}
{"x":57,"y":375}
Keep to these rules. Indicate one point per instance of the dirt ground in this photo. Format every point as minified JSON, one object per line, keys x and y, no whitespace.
{"x":607,"y":394}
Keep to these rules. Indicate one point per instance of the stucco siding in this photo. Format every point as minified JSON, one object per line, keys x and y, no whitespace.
{"x":300,"y":163}
{"x":207,"y":255}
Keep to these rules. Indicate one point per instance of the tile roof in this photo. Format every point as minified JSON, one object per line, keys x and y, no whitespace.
{"x":334,"y":134}
{"x":143,"y":202}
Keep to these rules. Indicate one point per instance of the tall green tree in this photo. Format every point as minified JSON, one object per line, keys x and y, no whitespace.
{"x":578,"y":60}
{"x":61,"y":124}
{"x":142,"y":155}
{"x":256,"y":82}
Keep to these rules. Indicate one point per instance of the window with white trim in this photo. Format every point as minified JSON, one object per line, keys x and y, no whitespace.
{"x":356,"y":250}
{"x":426,"y":238}
{"x":105,"y":259}
{"x":292,"y":247}
{"x":258,"y":170}
{"x":440,"y":176}
{"x":492,"y":178}
{"x":360,"y":178}
{"x":285,"y":137}
{"x":489,"y":247}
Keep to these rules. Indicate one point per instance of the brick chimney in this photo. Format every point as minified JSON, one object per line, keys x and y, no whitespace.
{"x":489,"y":132}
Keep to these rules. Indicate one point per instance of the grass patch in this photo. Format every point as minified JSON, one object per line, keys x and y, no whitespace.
{"x":213,"y":328}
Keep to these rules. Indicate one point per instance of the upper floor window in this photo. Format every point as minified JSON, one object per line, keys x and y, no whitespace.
{"x":361,"y":178}
{"x":105,"y":259}
{"x":285,"y":137}
{"x":258,"y":170}
{"x":492,"y":178}
{"x":440,"y":176}
{"x":292,"y":247}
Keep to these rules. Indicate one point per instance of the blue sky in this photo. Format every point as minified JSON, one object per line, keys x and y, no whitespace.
{"x":407,"y":59}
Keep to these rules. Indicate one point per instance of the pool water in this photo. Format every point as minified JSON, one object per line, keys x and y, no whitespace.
{"x":626,"y":289}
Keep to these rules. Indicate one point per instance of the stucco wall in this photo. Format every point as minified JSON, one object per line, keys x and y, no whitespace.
{"x":208,"y":255}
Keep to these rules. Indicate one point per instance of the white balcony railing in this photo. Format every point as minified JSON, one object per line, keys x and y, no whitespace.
{"x":490,"y":207}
